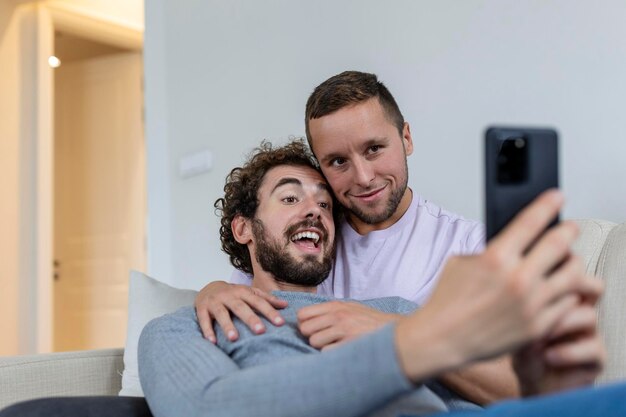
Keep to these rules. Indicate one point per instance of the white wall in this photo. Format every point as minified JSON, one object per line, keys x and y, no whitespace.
{"x":9,"y":178}
{"x":224,"y":75}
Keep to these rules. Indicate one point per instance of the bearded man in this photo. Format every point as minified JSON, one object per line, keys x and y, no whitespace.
{"x":278,"y":226}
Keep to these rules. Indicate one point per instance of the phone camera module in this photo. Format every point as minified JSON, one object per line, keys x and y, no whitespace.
{"x":512,"y":161}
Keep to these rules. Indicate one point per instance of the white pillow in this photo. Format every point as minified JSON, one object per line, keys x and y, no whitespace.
{"x":147,"y":299}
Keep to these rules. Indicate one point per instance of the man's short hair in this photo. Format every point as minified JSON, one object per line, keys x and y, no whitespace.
{"x":241,"y":191}
{"x":346,"y":89}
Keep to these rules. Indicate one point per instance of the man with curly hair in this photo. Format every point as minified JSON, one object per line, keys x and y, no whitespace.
{"x":277,"y":223}
{"x":393,"y":241}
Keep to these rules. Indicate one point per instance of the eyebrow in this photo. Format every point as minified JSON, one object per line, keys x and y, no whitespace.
{"x":291,"y":180}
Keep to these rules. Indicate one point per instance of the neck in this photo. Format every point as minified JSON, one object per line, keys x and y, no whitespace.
{"x":363,"y":228}
{"x":265,"y":281}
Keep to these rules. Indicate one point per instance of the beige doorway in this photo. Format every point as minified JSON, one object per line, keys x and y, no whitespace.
{"x":99,"y":191}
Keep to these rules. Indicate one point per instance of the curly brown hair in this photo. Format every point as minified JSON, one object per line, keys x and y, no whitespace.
{"x":348,"y":88}
{"x":241,"y":191}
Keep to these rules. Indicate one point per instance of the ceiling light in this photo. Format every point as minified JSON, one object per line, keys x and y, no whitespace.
{"x":54,"y":62}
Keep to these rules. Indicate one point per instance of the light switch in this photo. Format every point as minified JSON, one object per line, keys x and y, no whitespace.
{"x":195,"y":163}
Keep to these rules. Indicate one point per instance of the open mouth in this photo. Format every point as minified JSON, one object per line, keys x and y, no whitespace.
{"x":306,"y":239}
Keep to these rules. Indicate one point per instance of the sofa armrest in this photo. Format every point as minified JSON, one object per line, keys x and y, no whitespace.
{"x":89,"y":372}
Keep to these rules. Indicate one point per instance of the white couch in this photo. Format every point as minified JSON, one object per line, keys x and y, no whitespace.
{"x":602,"y":244}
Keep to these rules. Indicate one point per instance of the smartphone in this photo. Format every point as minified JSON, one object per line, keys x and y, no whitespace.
{"x":520,"y":163}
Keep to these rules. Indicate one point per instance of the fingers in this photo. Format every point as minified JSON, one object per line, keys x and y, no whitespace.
{"x":219,"y":299}
{"x":251,"y":301}
{"x":315,"y":310}
{"x":580,"y":319}
{"x":243,"y":311}
{"x":528,"y":225}
{"x":551,"y":314}
{"x":328,"y":336}
{"x":553,"y":248}
{"x":315,"y":324}
{"x":587,"y":350}
{"x":577,"y":377}
{"x":222,"y":316}
{"x":266,"y":304}
{"x":204,"y":319}
{"x":562,"y":281}
{"x":569,"y":278}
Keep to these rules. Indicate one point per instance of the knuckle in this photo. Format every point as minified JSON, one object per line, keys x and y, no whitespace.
{"x":222,"y":314}
{"x":495,"y":259}
{"x":241,"y":292}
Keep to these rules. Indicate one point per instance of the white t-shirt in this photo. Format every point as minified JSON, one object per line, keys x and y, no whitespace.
{"x":403,"y":260}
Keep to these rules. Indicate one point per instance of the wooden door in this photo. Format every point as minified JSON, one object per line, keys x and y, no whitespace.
{"x":99,"y":198}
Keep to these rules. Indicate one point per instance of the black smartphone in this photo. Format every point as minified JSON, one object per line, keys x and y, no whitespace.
{"x":520,"y":163}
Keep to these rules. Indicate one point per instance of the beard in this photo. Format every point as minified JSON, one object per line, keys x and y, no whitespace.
{"x":276,"y":259}
{"x":391,"y":207}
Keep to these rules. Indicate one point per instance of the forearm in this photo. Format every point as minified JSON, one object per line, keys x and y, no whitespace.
{"x":484,"y":382}
{"x":182,"y":374}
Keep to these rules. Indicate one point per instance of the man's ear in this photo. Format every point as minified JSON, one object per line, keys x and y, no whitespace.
{"x":242,"y":229}
{"x":407,"y":139}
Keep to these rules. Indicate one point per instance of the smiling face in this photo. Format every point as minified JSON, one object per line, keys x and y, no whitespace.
{"x":291,"y":238}
{"x":363,"y":157}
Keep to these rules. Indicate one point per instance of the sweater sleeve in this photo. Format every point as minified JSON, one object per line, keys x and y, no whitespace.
{"x":183,"y":374}
{"x":396,"y":305}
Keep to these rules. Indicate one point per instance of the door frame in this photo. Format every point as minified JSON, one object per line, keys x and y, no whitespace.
{"x":45,"y":19}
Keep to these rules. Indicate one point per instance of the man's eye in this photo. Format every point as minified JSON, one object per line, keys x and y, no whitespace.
{"x":324,"y":205}
{"x":374,"y":148}
{"x":290,"y":200}
{"x":337,"y":162}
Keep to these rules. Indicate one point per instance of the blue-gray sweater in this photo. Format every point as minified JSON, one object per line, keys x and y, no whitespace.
{"x":276,"y":373}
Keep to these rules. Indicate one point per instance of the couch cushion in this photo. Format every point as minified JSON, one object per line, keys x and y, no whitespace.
{"x":593,"y":234}
{"x":91,"y":372}
{"x":612,"y":311}
{"x":147,"y":299}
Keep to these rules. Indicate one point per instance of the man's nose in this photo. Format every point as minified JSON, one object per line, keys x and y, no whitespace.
{"x":313,"y":209}
{"x":363,"y":173}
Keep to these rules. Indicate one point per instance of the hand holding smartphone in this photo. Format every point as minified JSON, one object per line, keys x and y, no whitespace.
{"x":520,"y":163}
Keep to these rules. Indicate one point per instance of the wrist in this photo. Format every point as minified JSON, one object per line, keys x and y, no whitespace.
{"x":424,"y":350}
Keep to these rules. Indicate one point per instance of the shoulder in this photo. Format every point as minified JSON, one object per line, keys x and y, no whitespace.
{"x":469,"y":233}
{"x":396,"y":305}
{"x":182,"y":320}
{"x":433,"y":212}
